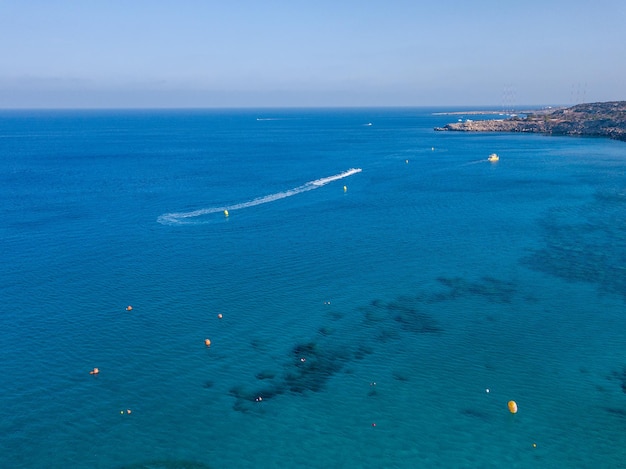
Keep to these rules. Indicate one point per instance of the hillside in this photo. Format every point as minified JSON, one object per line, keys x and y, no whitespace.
{"x":590,"y":120}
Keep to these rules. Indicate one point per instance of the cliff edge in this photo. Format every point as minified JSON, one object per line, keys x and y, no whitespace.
{"x":591,"y":120}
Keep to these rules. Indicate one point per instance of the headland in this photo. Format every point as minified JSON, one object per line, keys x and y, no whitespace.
{"x":607,"y":119}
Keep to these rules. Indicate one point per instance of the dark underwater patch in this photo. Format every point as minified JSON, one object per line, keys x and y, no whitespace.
{"x":586,"y":243}
{"x":400,"y":376}
{"x":312,"y":367}
{"x":620,"y":376}
{"x":404,"y":311}
{"x":250,"y":399}
{"x":325,"y":331}
{"x":266,"y":374}
{"x":363,"y":350}
{"x":309,"y":365}
{"x":493,"y":289}
{"x":413,"y":321}
{"x":616,"y":411}
{"x":475,"y":413}
{"x":308,"y":368}
{"x":386,"y":334}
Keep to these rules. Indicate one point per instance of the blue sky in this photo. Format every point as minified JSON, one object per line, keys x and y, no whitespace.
{"x":82,"y":54}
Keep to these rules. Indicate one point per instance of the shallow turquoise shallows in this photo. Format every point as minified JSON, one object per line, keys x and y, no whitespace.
{"x":385,"y":291}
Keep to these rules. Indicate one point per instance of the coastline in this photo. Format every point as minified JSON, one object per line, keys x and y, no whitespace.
{"x":589,"y":120}
{"x":473,"y":113}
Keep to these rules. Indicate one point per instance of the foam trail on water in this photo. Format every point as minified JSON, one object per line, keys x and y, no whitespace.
{"x":186,"y":218}
{"x":475,"y":162}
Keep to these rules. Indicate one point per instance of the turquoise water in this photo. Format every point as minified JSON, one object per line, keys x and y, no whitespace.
{"x":386,"y":324}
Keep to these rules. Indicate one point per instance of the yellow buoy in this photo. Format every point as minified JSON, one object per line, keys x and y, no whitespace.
{"x":345,"y":188}
{"x":225,"y":213}
{"x":207,"y":342}
{"x":512,"y":407}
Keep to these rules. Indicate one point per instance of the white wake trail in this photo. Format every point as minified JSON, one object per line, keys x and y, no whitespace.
{"x":186,"y":218}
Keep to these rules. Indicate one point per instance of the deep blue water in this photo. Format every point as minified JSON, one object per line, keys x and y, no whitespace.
{"x":386,"y":323}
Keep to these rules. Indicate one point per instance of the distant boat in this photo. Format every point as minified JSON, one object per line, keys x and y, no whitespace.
{"x":493,"y":158}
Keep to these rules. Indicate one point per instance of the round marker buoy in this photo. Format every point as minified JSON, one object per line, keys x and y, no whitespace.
{"x":219,"y":316}
{"x":225,"y":213}
{"x":207,"y":342}
{"x":129,"y":308}
{"x":512,"y":407}
{"x":345,"y":188}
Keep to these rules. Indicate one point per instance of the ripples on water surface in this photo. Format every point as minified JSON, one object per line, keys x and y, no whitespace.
{"x":371,"y":320}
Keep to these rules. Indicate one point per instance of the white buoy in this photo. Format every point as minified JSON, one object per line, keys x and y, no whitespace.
{"x":345,"y":188}
{"x":225,"y":213}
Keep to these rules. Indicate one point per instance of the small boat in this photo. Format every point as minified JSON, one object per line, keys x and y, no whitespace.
{"x":493,"y":158}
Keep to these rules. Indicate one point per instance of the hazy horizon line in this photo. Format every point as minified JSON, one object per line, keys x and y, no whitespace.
{"x":486,"y":107}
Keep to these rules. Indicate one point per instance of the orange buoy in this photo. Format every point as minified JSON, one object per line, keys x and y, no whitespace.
{"x":219,"y":316}
{"x":95,"y":371}
{"x":128,"y":411}
{"x":512,"y":407}
{"x":207,"y":342}
{"x":129,"y":308}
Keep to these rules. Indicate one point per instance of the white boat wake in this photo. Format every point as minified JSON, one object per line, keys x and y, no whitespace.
{"x":188,"y":218}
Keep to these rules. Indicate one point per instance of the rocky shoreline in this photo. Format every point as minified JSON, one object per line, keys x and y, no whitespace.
{"x":606,"y":119}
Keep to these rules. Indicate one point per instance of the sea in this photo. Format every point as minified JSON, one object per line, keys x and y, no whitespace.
{"x":308,"y":288}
